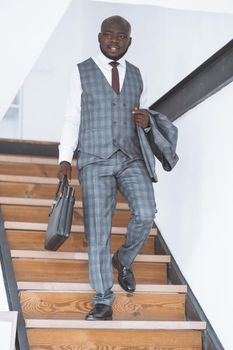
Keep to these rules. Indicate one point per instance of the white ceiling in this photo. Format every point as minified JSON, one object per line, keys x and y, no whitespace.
{"x":218,"y":6}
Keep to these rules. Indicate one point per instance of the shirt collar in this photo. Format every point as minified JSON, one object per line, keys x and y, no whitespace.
{"x":105,"y":60}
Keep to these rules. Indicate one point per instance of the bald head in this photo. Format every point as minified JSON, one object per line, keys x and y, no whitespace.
{"x":119,"y":20}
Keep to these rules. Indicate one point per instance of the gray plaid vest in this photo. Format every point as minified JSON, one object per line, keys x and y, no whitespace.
{"x":107,"y":124}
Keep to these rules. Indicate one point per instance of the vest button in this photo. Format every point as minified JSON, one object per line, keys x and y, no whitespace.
{"x":114,"y":104}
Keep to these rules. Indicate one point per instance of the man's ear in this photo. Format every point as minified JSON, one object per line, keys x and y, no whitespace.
{"x":99,"y":35}
{"x":130,"y":41}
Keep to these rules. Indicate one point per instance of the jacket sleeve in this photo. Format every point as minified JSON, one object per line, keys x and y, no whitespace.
{"x":162,"y":139}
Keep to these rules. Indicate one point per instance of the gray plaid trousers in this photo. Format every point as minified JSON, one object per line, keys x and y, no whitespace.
{"x":100,"y":182}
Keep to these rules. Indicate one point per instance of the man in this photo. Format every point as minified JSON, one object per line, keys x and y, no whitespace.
{"x":106,"y":106}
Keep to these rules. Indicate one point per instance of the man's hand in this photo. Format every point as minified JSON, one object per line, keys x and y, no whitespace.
{"x":141,"y":117}
{"x":64,"y":169}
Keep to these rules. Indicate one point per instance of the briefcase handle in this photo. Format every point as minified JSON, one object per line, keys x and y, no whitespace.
{"x":61,"y":186}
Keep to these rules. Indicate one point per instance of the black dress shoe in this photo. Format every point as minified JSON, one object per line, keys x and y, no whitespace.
{"x":125,"y":275}
{"x":100,"y":312}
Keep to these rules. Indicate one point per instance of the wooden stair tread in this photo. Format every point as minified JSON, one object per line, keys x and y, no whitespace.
{"x":20,"y":225}
{"x":33,"y":179}
{"x":75,"y":306}
{"x":41,"y":202}
{"x":45,"y":202}
{"x":75,"y":287}
{"x":9,"y":158}
{"x":80,"y":256}
{"x":109,"y":339}
{"x":82,"y":324}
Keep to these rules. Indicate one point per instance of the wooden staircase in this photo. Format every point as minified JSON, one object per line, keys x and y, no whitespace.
{"x":53,"y":286}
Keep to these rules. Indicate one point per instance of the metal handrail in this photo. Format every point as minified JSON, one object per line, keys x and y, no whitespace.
{"x":11,"y":289}
{"x":211,"y":76}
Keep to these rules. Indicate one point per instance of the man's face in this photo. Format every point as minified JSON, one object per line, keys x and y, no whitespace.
{"x":114,"y":39}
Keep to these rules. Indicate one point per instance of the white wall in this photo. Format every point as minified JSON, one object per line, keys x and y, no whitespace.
{"x":3,"y":298}
{"x":45,"y":88}
{"x":5,"y":329}
{"x":25,"y":27}
{"x":223,"y":6}
{"x":195,"y":207}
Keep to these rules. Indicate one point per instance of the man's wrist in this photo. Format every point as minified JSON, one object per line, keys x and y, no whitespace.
{"x":65,"y":162}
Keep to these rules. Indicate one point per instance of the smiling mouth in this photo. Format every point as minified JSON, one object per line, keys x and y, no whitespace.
{"x":113,"y":48}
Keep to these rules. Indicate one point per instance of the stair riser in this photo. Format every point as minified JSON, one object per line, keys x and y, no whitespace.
{"x":44,"y":170}
{"x":135,"y":307}
{"x":45,"y":270}
{"x":51,"y":339}
{"x":31,"y":190}
{"x":29,"y":240}
{"x":40,"y":214}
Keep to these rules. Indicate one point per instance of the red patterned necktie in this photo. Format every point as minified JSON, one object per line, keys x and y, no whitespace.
{"x":115,"y":77}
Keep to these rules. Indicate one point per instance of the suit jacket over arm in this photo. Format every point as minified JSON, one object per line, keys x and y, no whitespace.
{"x":161,"y":142}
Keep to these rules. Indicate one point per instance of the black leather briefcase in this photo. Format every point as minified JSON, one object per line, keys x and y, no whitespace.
{"x":60,"y":216}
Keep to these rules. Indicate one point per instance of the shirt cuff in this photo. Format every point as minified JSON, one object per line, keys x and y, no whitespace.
{"x":65,"y":155}
{"x":147,"y":129}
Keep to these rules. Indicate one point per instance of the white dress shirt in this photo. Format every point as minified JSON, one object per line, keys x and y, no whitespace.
{"x":70,"y":132}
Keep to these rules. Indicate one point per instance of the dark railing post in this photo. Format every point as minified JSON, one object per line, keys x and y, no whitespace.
{"x":11,"y":289}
